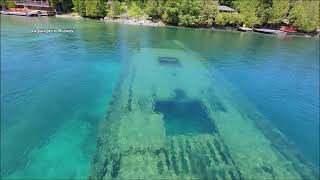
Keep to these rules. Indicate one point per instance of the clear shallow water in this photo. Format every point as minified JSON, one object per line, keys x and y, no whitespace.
{"x":56,"y":89}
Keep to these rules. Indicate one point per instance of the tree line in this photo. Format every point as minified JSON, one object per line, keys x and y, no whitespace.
{"x":302,"y":14}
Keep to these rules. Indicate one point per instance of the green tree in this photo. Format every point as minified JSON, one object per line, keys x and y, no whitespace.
{"x":82,"y":8}
{"x":226,"y":2}
{"x":7,"y":4}
{"x":248,"y":12}
{"x":171,"y":12}
{"x":95,"y":8}
{"x":189,"y":13}
{"x":76,"y":5}
{"x":79,"y":7}
{"x":228,"y":19}
{"x":279,"y":11}
{"x":209,"y":11}
{"x":263,"y":11}
{"x":153,"y":9}
{"x":116,"y":8}
{"x":135,"y":9}
{"x":305,"y":15}
{"x":62,"y":5}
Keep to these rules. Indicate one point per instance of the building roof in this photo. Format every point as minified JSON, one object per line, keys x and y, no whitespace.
{"x":35,"y":3}
{"x":225,"y":8}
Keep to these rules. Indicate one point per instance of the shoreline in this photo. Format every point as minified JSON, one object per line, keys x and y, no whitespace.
{"x":129,"y":21}
{"x":135,"y":21}
{"x":69,"y":16}
{"x":159,"y":23}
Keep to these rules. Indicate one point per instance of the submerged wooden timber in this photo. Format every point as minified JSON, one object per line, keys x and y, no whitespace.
{"x":171,"y":118}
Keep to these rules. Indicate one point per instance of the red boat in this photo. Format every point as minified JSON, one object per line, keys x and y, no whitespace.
{"x":288,"y":29}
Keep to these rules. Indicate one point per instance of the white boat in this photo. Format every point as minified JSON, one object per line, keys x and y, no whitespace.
{"x":245,"y":29}
{"x":18,"y":13}
{"x":268,"y":31}
{"x":33,"y":13}
{"x":4,"y":12}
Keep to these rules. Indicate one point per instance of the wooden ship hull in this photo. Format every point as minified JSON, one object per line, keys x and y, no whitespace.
{"x":172,"y":118}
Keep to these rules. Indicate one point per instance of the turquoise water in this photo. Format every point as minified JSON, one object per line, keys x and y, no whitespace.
{"x":57,"y":88}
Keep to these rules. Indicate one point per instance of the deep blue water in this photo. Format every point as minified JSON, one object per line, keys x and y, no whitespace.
{"x":55,"y":88}
{"x":280,"y":76}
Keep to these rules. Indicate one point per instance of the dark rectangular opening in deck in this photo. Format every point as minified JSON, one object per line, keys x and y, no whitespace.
{"x":185,"y":117}
{"x":169,"y":61}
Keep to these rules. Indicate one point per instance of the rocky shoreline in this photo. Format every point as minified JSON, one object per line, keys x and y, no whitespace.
{"x":131,"y":21}
{"x":71,"y":15}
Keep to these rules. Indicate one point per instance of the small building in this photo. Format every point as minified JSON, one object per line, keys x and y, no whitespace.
{"x":39,"y":5}
{"x":226,"y":9}
{"x":33,"y":3}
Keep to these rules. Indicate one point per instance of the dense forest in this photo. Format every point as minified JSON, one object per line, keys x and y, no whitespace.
{"x":303,"y":14}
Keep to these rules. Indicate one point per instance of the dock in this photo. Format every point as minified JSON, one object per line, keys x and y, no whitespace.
{"x":30,"y":8}
{"x":27,"y":13}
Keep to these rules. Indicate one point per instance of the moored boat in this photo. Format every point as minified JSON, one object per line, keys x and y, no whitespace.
{"x":33,"y":13}
{"x":288,"y":29}
{"x":245,"y":29}
{"x":267,"y":31}
{"x":18,"y":13}
{"x":4,"y":12}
